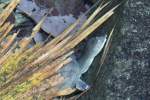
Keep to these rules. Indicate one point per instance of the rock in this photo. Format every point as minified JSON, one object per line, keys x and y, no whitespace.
{"x":39,"y":37}
{"x":126,"y":72}
{"x":63,"y":7}
{"x":61,"y":13}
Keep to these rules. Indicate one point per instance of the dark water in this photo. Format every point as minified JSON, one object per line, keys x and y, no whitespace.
{"x":125,"y":74}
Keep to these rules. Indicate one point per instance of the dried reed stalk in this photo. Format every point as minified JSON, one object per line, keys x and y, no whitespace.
{"x":28,"y":72}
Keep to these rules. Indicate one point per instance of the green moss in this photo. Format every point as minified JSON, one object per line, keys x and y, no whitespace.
{"x":13,"y":63}
{"x":10,"y":66}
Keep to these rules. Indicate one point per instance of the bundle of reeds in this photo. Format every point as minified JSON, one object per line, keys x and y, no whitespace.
{"x":28,"y":73}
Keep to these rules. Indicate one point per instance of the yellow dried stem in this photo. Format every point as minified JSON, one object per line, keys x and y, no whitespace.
{"x":63,"y":35}
{"x":20,"y":57}
{"x":25,"y":42}
{"x":50,"y":93}
{"x":10,"y":42}
{"x":106,"y":48}
{"x":35,"y":67}
{"x":32,"y":81}
{"x":66,"y":91}
{"x":48,"y":71}
{"x":4,"y":27}
{"x":10,"y":27}
{"x":55,"y":80}
{"x":51,"y":82}
{"x":3,"y":58}
{"x":71,"y":44}
{"x":55,"y":41}
{"x":8,"y":10}
{"x":90,"y":19}
{"x":55,"y":62}
{"x":54,"y":67}
{"x":83,"y":34}
{"x":38,"y":26}
{"x":45,"y":56}
{"x":79,"y":39}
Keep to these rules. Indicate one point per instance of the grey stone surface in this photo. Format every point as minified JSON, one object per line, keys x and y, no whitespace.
{"x":126,"y":72}
{"x":61,"y":13}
